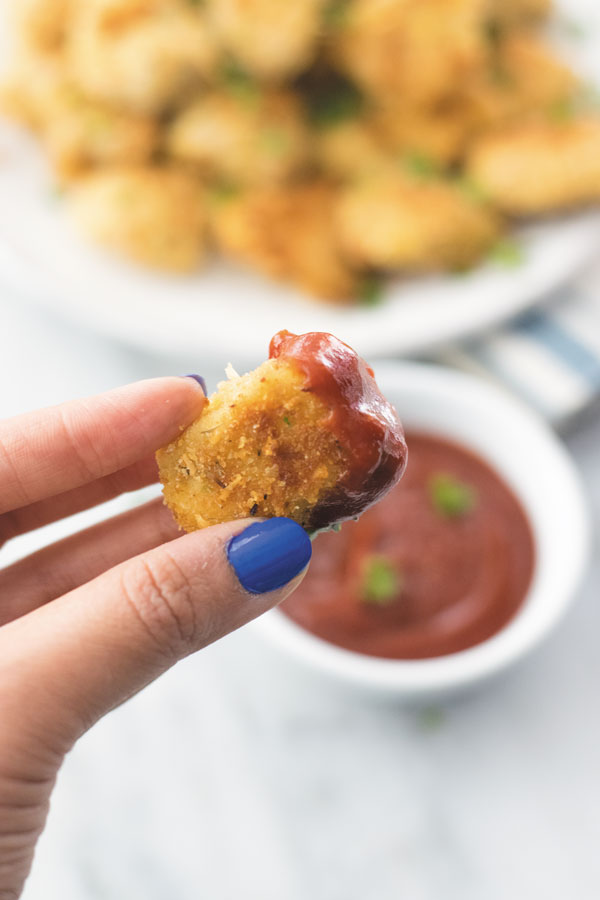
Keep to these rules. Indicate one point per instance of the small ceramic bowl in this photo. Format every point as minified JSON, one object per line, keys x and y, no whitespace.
{"x":522,"y":449}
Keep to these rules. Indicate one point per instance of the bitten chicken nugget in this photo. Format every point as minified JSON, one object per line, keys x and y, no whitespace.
{"x":307,"y":435}
{"x":151,"y":214}
{"x":289,"y":234}
{"x":413,"y":224}
{"x":537,"y":169}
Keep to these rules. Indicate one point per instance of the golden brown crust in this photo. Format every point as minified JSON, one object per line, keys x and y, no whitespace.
{"x":258,"y":449}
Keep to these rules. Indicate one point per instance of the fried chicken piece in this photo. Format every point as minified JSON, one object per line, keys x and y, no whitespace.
{"x":140,"y":54}
{"x":538,"y":169}
{"x":523,"y":80}
{"x":41,"y":25}
{"x":437,"y":133}
{"x":77,"y":132}
{"x":307,"y":435}
{"x":289,"y":234}
{"x":393,"y":221}
{"x":511,"y":13}
{"x":150,"y":214}
{"x":270,"y":39}
{"x":254,"y":139}
{"x":348,"y":148}
{"x":415,"y":49}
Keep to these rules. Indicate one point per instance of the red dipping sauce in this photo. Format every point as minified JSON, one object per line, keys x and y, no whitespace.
{"x":442,"y":563}
{"x":364,"y":423}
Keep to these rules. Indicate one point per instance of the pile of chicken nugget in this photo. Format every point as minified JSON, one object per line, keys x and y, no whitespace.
{"x":329,"y":144}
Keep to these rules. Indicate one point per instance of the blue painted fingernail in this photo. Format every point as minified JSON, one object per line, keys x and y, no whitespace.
{"x":269,"y":554}
{"x":200,"y":381}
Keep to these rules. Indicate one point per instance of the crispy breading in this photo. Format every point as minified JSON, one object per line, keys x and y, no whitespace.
{"x":541,"y":168}
{"x":258,"y":449}
{"x":348,"y":148}
{"x":42,"y":24}
{"x":523,"y":81}
{"x":413,"y":223}
{"x":288,"y":233}
{"x":251,"y":139}
{"x":151,"y":214}
{"x":271,"y":39}
{"x":415,"y":49}
{"x":437,"y":133}
{"x":140,"y":54}
{"x":509,"y":13}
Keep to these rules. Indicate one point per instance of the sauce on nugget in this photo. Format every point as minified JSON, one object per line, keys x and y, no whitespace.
{"x":366,"y":426}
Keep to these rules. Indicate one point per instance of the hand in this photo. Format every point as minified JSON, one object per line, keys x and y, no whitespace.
{"x":88,"y":621}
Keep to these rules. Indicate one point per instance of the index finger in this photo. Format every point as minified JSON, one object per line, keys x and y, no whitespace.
{"x":53,"y":450}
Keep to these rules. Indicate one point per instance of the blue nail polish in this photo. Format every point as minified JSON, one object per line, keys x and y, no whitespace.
{"x":269,"y":554}
{"x":200,"y":381}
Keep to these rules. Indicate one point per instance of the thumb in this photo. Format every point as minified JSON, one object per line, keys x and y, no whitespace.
{"x":69,"y":662}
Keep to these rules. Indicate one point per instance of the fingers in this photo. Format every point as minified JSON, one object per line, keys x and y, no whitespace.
{"x":59,"y":449}
{"x":63,"y":566}
{"x":66,"y":664}
{"x":27,"y":518}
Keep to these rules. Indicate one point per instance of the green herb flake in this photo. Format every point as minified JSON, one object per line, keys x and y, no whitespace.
{"x":287,"y":420}
{"x":451,"y":497}
{"x":335,"y":13}
{"x":508,"y":253}
{"x":238,"y":82}
{"x":334,"y":105}
{"x":562,"y":110}
{"x":222,"y":191}
{"x":471,"y":189}
{"x":420,"y":165}
{"x":275,"y":141}
{"x":431,"y":718}
{"x":381,"y":582}
{"x":370,"y":290}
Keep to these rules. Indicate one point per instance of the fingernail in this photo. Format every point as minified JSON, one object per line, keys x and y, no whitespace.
{"x":200,"y":381}
{"x":269,"y":554}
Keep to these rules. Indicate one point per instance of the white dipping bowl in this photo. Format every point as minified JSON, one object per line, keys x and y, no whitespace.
{"x":533,"y":462}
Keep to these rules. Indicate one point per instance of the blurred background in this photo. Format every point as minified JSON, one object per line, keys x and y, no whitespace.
{"x":180,"y":180}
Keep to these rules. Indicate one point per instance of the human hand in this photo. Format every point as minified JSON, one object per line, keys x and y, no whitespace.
{"x":88,"y":621}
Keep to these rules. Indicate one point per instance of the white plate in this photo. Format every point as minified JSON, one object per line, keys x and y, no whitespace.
{"x":228,"y":314}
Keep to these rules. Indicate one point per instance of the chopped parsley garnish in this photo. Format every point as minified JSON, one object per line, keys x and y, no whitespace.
{"x":336,"y":13}
{"x":238,"y":82}
{"x":381,"y":581}
{"x":275,"y":141}
{"x":370,"y":290}
{"x":471,"y":189}
{"x":421,"y":165}
{"x":286,"y":419}
{"x":451,"y":497}
{"x":507,"y":252}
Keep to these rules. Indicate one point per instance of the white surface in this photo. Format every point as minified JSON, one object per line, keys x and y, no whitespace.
{"x":239,"y":777}
{"x":519,"y":446}
{"x":42,"y":255}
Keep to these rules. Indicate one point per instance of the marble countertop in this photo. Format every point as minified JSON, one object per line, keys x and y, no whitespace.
{"x":238,"y":776}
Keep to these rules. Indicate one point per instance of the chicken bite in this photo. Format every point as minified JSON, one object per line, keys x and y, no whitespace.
{"x":413,"y":224}
{"x":415,"y":49}
{"x":151,"y":214}
{"x":307,"y":435}
{"x":538,"y":169}
{"x":253,"y":139}
{"x":271,"y":39}
{"x":289,"y":234}
{"x":140,"y":54}
{"x":42,"y":24}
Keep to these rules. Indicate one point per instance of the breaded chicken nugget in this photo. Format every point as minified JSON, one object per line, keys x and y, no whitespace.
{"x":76,"y":131}
{"x":307,"y":435}
{"x":253,"y":139}
{"x":437,"y":133}
{"x":392,"y":221}
{"x":523,"y":80}
{"x":509,"y":13}
{"x":271,"y":39}
{"x":141,"y":54}
{"x":150,"y":214}
{"x":415,"y":49}
{"x":287,"y":233}
{"x":348,"y":148}
{"x":543,"y":168}
{"x":42,"y":24}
